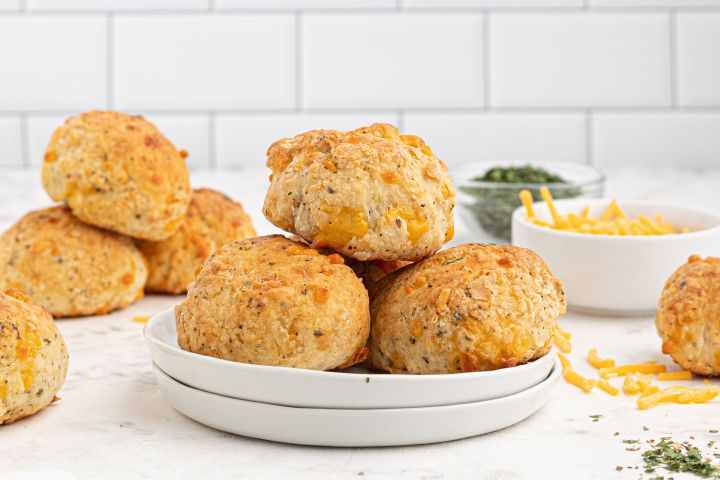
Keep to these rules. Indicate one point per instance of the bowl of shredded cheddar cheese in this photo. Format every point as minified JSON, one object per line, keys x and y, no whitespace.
{"x":613,"y":256}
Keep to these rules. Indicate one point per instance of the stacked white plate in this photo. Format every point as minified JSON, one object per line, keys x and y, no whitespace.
{"x":349,"y":408}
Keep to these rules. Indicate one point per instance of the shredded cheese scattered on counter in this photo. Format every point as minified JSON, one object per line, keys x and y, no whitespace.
{"x":677,"y":395}
{"x":598,"y":362}
{"x":649,"y":367}
{"x":574,"y":378}
{"x":637,"y":378}
{"x":141,"y":319}
{"x":630,"y":386}
{"x":605,"y":386}
{"x":578,"y":380}
{"x":562,"y":343}
{"x":681,"y":375}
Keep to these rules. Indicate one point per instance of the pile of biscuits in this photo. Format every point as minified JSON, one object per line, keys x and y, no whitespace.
{"x":361,"y":277}
{"x":129,"y":223}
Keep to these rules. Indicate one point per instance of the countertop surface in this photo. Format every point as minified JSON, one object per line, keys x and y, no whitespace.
{"x":113,"y":422}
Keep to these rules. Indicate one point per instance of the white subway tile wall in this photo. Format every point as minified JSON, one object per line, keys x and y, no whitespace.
{"x":502,"y":136}
{"x":606,"y":82}
{"x":392,"y":61}
{"x":244,"y":139}
{"x":657,"y":138}
{"x":53,"y":64}
{"x":9,"y":5}
{"x":214,"y":62}
{"x":698,"y":47}
{"x":10,"y":140}
{"x":579,"y":59}
{"x":118,"y":5}
{"x":39,"y":129}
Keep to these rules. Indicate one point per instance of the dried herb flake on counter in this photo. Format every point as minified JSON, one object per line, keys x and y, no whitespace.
{"x":493,"y":207}
{"x":679,"y":457}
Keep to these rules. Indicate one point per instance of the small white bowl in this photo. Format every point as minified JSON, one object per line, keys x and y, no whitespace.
{"x":621,"y":275}
{"x":354,"y":388}
{"x":356,"y":428}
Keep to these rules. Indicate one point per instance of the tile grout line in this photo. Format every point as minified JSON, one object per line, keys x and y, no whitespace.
{"x":359,"y":10}
{"x":298,"y":62}
{"x":25,"y":141}
{"x":486,"y":60}
{"x":212,"y":142}
{"x":659,"y":109}
{"x":672,"y":34}
{"x":110,"y":61}
{"x":589,"y":140}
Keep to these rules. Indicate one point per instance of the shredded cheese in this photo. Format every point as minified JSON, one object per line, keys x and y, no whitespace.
{"x":681,"y":375}
{"x":564,"y":333}
{"x":605,"y":386}
{"x":598,"y":362}
{"x":562,"y":343}
{"x":677,"y":395}
{"x":649,"y":367}
{"x":644,"y":381}
{"x":564,"y":361}
{"x":630,"y":386}
{"x":574,"y":378}
{"x":141,"y":319}
{"x":613,"y":221}
{"x":527,"y":200}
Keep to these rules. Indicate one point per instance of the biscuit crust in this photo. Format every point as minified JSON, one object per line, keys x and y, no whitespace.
{"x":33,"y":357}
{"x":468,"y":308}
{"x":368,"y":194}
{"x":688,"y":316}
{"x":70,"y":267}
{"x":212,"y":220}
{"x":118,"y":172}
{"x":271,"y":301}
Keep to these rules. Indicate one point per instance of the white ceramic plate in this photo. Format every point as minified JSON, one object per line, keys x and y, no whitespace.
{"x":352,"y":388}
{"x":354,"y":428}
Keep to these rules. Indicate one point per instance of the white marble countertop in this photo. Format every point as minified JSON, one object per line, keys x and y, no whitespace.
{"x":113,"y":422}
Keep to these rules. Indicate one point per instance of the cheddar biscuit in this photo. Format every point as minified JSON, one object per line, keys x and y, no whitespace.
{"x":69,"y":267}
{"x":33,"y":357}
{"x":688,"y":316}
{"x":469,"y":308}
{"x":118,"y":172}
{"x":272,"y":301}
{"x":212,"y":221}
{"x":372,"y":272}
{"x":368,"y":194}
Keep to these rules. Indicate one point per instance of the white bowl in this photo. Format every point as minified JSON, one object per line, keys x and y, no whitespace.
{"x":355,"y":428}
{"x":352,"y":388}
{"x":621,"y":275}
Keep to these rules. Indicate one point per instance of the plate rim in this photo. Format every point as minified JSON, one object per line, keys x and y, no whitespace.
{"x":552,"y":377}
{"x":376,"y":377}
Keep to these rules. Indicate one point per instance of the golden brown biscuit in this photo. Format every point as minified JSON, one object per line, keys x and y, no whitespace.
{"x":369,"y":194}
{"x":373,"y":271}
{"x":469,"y":308}
{"x":33,"y":357}
{"x":212,"y":221}
{"x":70,"y":267}
{"x":272,"y":301}
{"x":688,"y":316}
{"x":118,"y":172}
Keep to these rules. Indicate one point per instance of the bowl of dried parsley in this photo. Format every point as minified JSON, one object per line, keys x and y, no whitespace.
{"x":488,"y":192}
